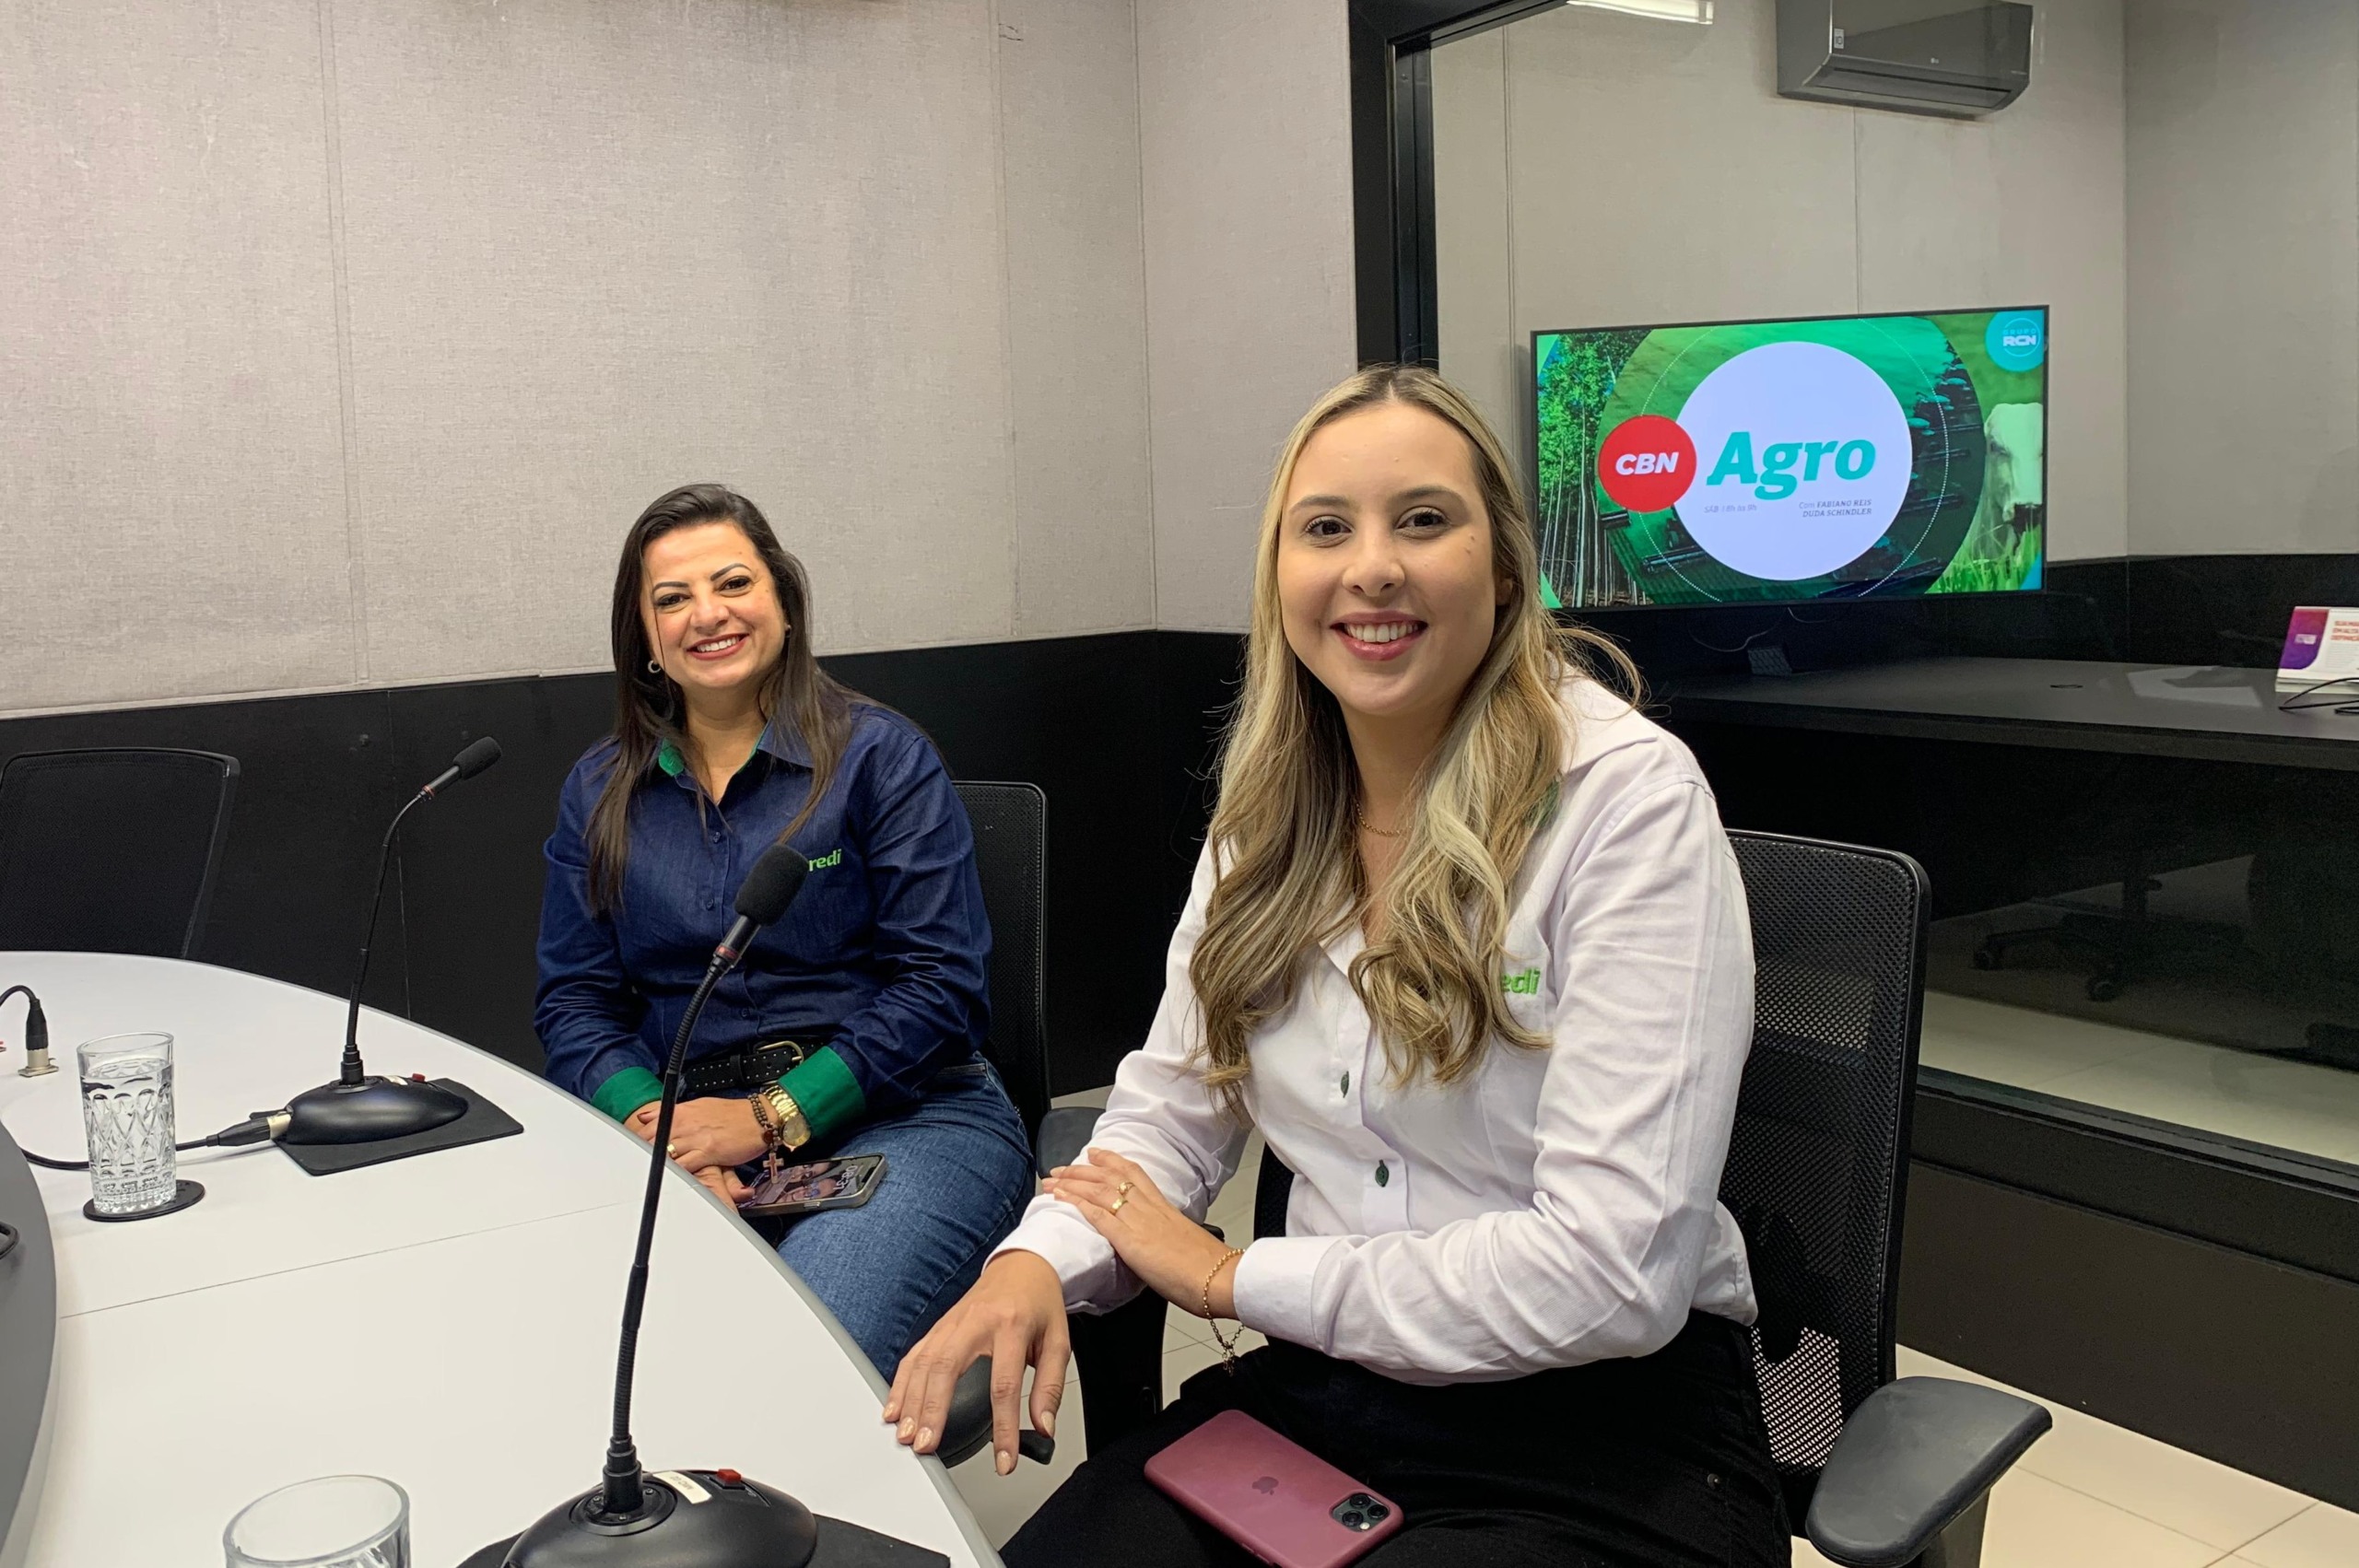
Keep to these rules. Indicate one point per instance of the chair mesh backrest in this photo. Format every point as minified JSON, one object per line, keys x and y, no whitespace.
{"x":111,"y":850}
{"x":1011,"y":824}
{"x":1817,"y":1165}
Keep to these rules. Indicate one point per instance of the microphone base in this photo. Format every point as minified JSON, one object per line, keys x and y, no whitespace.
{"x":368,"y":1111}
{"x":734,"y":1523}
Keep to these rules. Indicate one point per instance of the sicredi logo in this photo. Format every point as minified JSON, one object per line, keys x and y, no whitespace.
{"x":1811,"y":461}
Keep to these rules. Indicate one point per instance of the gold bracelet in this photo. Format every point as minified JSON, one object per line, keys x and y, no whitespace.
{"x":793,"y":1131}
{"x":1229,"y":1345}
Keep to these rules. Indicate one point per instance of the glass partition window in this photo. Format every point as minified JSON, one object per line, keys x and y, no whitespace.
{"x":2106,"y":337}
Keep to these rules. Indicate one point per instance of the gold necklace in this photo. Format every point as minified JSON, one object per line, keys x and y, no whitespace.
{"x":1367,"y":826}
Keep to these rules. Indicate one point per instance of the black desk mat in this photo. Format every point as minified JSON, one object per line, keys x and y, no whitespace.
{"x":482,"y":1122}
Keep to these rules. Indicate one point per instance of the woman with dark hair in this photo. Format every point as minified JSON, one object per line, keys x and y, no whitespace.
{"x":855,"y":1023}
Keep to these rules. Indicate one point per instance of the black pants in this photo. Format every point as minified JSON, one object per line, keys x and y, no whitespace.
{"x":1651,"y":1463}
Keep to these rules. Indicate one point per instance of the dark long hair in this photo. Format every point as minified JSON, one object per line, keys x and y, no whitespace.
{"x":647,"y":710}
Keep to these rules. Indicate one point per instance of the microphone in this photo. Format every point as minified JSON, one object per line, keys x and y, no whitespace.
{"x":358,"y":1108}
{"x":479,"y":755}
{"x":675,"y":1518}
{"x":770,"y":887}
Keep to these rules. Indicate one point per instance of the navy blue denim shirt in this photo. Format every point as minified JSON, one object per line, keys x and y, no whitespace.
{"x":883,"y":953}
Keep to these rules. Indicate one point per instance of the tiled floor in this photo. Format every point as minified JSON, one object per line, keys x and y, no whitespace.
{"x":2088,"y":1495}
{"x":2288,"y":1104}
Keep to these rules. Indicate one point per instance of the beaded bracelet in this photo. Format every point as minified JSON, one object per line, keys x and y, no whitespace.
{"x":762,"y":1120}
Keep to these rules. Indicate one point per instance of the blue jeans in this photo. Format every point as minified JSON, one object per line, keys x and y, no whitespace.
{"x":957,"y":1175}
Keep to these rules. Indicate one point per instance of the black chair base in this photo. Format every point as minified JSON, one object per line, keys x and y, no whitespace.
{"x":2125,"y":946}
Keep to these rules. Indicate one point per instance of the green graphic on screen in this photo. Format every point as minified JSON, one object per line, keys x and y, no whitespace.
{"x":1750,"y":462}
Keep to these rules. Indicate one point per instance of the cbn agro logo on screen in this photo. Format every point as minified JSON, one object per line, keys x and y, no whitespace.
{"x":1805,"y":460}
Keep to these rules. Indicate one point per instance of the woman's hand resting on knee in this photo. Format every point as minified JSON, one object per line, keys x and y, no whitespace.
{"x":1016,"y":1315}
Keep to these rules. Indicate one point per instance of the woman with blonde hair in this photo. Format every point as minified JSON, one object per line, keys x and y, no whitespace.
{"x":1468,"y":946}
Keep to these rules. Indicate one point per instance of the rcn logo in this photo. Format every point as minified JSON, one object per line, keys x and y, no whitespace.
{"x":2017,"y":340}
{"x":1809,"y":460}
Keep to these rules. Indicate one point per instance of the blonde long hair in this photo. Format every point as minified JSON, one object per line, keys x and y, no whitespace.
{"x":1288,"y":875}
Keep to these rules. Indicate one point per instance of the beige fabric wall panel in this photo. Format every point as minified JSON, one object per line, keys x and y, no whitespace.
{"x":2025,"y":208}
{"x":171,"y":513}
{"x":1245,"y":132}
{"x":1474,"y":222}
{"x":2243,"y":275}
{"x":597,"y":249}
{"x":1076,"y":287}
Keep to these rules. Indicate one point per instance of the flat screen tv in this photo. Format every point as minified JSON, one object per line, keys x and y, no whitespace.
{"x":1787,"y":462}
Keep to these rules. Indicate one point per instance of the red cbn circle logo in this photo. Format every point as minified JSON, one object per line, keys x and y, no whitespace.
{"x":1647,"y":464}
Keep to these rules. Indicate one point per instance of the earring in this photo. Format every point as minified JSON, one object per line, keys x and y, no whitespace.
{"x":654,"y":667}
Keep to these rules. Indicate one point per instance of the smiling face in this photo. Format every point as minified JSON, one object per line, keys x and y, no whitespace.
{"x":1387,"y":585}
{"x":711,"y":611}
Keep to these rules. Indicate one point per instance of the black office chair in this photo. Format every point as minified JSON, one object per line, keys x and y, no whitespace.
{"x":1882,"y":1472}
{"x":111,"y":850}
{"x":1010,"y":823}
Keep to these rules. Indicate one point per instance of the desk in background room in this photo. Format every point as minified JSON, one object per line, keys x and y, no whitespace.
{"x":2200,"y":1288}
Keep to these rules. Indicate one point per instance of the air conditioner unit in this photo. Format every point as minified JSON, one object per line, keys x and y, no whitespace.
{"x":1954,"y":57}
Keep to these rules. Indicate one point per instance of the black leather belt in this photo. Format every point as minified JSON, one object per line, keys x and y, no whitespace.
{"x":737,"y":1071}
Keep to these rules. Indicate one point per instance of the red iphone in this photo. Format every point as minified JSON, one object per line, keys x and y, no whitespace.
{"x":1277,"y":1500}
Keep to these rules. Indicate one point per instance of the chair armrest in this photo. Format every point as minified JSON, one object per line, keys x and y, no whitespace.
{"x":1064,"y":1133}
{"x":1918,"y":1454}
{"x":967,"y":1426}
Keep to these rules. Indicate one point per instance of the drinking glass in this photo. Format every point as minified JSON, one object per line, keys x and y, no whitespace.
{"x":127,"y":1113}
{"x":332,"y":1522}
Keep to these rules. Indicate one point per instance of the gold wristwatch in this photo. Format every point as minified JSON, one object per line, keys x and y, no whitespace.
{"x":793,"y":1131}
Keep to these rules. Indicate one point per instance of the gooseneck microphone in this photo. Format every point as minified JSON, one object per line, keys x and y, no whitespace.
{"x":678,"y":1520}
{"x":358,"y":1108}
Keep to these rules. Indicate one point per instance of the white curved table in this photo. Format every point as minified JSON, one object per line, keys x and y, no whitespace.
{"x":447,"y":1321}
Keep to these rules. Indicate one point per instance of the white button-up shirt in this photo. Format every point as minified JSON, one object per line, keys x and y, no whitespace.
{"x":1559,"y":1205}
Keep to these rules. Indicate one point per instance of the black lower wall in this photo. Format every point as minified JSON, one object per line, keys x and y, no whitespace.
{"x":2248,"y":1361}
{"x":1113,"y":728}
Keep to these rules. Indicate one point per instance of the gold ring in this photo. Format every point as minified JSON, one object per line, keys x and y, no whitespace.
{"x":1124,"y":1191}
{"x":670,"y":1151}
{"x":1116,"y":1207}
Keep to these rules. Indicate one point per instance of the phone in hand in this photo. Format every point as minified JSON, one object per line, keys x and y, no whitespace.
{"x":844,"y":1183}
{"x":1276,"y":1499}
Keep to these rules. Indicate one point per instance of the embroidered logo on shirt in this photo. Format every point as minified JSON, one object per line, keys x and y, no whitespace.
{"x":832,"y":857}
{"x":1525,"y":984}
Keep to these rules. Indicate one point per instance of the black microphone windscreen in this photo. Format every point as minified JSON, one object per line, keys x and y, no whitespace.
{"x":478,"y":756}
{"x":771,"y":886}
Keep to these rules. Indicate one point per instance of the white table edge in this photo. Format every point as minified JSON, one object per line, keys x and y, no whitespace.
{"x":962,"y":1515}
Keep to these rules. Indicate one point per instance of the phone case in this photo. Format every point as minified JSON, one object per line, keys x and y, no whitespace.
{"x":1276,"y":1499}
{"x":821,"y":1170}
